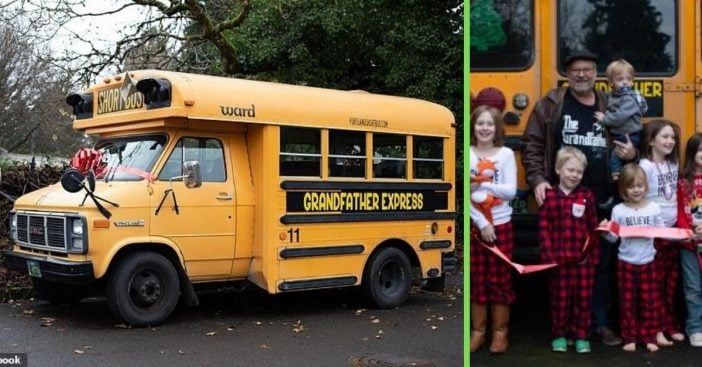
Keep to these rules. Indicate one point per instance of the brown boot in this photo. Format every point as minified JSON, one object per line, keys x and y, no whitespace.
{"x":478,"y":320}
{"x":500,"y":327}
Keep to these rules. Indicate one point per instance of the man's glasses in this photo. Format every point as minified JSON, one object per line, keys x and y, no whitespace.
{"x":581,"y":70}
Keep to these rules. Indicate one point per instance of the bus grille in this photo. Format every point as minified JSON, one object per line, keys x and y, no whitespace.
{"x":41,"y":231}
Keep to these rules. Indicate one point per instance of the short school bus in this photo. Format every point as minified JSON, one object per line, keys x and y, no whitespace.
{"x":208,"y":179}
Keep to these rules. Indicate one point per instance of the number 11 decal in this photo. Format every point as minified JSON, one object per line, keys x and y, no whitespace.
{"x":294,"y":235}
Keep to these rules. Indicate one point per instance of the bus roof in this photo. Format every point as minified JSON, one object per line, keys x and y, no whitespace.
{"x":201,"y":97}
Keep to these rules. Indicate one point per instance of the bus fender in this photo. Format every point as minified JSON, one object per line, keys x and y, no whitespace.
{"x":150,"y":243}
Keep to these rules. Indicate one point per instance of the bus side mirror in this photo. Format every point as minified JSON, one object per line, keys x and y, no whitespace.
{"x":192,"y":176}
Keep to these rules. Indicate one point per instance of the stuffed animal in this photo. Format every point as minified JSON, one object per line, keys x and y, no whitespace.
{"x":481,"y":198}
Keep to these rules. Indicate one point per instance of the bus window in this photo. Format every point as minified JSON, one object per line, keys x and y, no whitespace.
{"x":206,"y":151}
{"x":501,"y":34}
{"x":212,"y":161}
{"x":347,"y":153}
{"x":300,"y":152}
{"x":389,"y":155}
{"x":428,"y":157}
{"x":642,"y":32}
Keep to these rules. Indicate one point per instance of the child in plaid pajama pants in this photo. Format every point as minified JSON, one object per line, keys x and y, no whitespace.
{"x":566,"y":218}
{"x":639,"y":293}
{"x":660,"y":152}
{"x":490,"y":277}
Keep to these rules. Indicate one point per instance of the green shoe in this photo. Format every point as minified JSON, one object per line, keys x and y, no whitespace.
{"x":560,"y":345}
{"x":582,"y":346}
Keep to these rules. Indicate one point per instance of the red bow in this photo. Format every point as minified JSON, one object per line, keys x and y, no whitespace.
{"x":88,"y":159}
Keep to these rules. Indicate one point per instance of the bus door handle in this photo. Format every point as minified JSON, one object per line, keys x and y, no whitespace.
{"x":224,"y":196}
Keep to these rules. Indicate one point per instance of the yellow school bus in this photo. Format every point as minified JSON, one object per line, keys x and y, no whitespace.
{"x":518,"y":47}
{"x":209,"y":179}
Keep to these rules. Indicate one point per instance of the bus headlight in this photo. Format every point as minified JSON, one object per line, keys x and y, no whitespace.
{"x":13,"y":226}
{"x":77,"y":245}
{"x":77,"y":239}
{"x":77,"y":227}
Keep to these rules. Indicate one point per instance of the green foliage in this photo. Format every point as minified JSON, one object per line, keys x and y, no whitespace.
{"x":410,"y":48}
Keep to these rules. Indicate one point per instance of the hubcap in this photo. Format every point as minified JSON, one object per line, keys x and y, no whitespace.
{"x":389,"y":277}
{"x":145,"y":288}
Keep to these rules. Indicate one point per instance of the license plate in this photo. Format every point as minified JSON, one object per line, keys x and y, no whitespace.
{"x":34,"y":269}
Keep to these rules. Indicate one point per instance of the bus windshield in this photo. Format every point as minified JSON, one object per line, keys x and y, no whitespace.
{"x":130,"y":158}
{"x":501,"y":34}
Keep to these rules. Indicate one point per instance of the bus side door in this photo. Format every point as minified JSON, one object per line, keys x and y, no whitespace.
{"x":203,"y":226}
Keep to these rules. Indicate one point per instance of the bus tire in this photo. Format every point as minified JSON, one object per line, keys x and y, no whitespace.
{"x":58,"y":293}
{"x":387,"y":278}
{"x":143,"y":289}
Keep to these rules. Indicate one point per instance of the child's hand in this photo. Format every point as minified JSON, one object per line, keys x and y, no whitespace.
{"x":474,"y":184}
{"x":488,"y":234}
{"x":603,"y":222}
{"x":698,"y":232}
{"x":599,"y":115}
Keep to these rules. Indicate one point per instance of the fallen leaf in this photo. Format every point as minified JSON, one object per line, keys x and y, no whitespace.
{"x":231,"y":328}
{"x":375,"y":321}
{"x":28,"y":312}
{"x":122,"y":326}
{"x":87,"y":347}
{"x":434,"y":327}
{"x":78,"y":351}
{"x":211,"y":333}
{"x":440,"y":318}
{"x":259,"y":323}
{"x":264,"y":346}
{"x":180,"y":352}
{"x":360,"y":311}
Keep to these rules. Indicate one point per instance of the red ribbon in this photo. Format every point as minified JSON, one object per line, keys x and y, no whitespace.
{"x":672,"y":233}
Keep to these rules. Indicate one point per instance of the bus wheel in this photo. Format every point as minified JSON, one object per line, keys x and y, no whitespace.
{"x":57,"y":293}
{"x":143,"y":289}
{"x":387,"y":278}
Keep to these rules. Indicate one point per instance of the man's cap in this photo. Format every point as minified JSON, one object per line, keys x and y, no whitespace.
{"x":579,"y":55}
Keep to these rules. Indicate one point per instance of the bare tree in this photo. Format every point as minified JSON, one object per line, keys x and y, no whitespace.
{"x":33,"y":116}
{"x":157,"y":26}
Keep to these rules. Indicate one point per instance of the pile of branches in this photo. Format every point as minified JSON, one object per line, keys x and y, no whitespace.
{"x":17,"y":179}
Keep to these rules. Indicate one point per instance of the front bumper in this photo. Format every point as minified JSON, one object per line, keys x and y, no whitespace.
{"x":51,"y":269}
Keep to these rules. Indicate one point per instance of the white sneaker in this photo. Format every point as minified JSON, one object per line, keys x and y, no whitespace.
{"x":696,"y":340}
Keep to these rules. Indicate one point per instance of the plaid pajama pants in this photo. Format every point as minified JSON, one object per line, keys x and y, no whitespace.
{"x":668,"y":270}
{"x":639,"y":302}
{"x":570,"y":291}
{"x":490,"y":276}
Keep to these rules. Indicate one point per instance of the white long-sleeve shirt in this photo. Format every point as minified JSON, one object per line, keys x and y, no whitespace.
{"x":503,"y":186}
{"x":662,"y":187}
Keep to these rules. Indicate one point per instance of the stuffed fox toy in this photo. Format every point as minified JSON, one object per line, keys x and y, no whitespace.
{"x":481,"y":198}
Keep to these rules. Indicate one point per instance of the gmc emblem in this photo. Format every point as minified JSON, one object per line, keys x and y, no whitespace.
{"x":36,"y":231}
